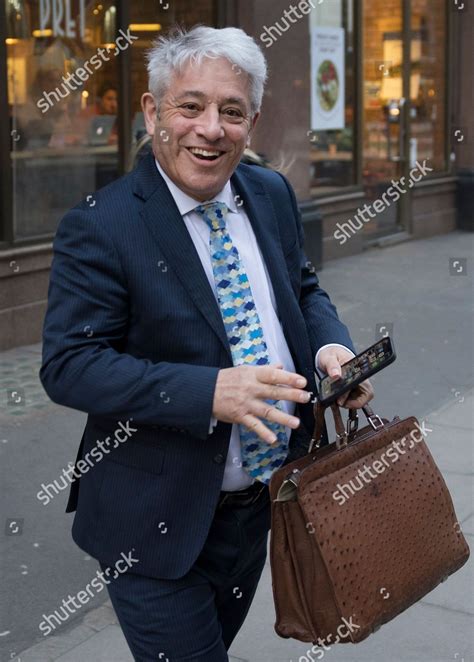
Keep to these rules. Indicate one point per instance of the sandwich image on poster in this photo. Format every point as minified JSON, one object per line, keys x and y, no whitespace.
{"x":327,"y":78}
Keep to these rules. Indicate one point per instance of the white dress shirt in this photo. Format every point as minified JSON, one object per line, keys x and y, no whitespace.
{"x":243,"y":238}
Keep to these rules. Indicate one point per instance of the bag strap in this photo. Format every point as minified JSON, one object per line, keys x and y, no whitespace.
{"x":342,"y":435}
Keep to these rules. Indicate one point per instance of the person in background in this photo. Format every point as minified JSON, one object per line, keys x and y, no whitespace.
{"x":107,"y":101}
{"x":106,"y":104}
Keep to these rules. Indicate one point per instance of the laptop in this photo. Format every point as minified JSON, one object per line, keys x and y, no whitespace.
{"x":100,"y":129}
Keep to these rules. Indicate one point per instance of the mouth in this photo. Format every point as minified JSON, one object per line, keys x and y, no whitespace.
{"x":205,"y":155}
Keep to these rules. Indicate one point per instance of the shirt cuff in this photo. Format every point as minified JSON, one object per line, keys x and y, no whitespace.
{"x":319,"y":370}
{"x":212,"y":424}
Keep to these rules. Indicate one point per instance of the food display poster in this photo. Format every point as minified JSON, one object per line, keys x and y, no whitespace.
{"x":327,"y":78}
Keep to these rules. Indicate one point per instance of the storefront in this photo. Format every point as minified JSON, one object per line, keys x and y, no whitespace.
{"x":395,"y":70}
{"x":363,"y":97}
{"x":75,"y":74}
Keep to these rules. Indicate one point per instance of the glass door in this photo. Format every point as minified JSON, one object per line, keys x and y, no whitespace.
{"x":404,"y":106}
{"x":384,"y":156}
{"x":427,"y":114}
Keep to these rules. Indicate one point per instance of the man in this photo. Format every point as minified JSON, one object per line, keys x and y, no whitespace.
{"x":181,"y":306}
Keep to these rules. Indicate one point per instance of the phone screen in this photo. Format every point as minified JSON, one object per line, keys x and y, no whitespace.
{"x":359,"y":368}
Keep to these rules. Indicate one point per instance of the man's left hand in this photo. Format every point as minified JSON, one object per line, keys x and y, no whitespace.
{"x":330,"y":360}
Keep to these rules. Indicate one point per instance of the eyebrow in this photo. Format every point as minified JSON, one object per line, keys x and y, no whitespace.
{"x":201,"y":95}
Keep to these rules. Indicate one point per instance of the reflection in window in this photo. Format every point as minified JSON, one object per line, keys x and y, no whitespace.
{"x":62,"y":94}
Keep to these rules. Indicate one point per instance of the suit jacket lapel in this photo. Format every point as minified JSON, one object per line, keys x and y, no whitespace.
{"x":165,"y":223}
{"x":261,"y":213}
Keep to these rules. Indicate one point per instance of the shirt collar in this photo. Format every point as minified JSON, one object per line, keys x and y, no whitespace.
{"x":186,"y":203}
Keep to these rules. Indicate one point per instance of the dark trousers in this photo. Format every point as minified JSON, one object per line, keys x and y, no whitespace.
{"x":196,"y":617}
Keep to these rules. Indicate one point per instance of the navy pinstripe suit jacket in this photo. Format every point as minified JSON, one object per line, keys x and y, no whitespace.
{"x":133,"y":333}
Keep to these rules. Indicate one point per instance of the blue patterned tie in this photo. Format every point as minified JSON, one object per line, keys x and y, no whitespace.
{"x":245,"y":334}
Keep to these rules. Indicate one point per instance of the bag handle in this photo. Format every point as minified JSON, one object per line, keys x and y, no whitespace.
{"x":342,"y":435}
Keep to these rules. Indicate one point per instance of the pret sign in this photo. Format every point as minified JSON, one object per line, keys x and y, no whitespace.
{"x":56,"y":14}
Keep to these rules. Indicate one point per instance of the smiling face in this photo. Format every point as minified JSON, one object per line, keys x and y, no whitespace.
{"x":203,"y":126}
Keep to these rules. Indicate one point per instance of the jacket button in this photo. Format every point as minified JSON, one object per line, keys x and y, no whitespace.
{"x":219,"y":458}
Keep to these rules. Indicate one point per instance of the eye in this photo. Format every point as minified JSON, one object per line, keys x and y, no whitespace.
{"x":233,"y":114}
{"x":189,"y":108}
{"x":232,"y":111}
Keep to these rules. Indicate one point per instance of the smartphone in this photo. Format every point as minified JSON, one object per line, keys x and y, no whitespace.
{"x":355,"y":371}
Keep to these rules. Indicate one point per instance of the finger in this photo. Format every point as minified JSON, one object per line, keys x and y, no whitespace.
{"x":261,"y":430}
{"x":271,"y":375}
{"x":362,"y":393}
{"x":357,"y":400}
{"x":368,"y":388}
{"x":332,"y":367}
{"x":270,"y":413}
{"x":342,"y":399}
{"x":278,"y":392}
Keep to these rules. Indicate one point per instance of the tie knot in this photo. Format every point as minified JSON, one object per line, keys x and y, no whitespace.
{"x":214,"y":213}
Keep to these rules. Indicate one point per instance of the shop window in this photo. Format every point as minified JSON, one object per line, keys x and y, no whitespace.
{"x":62,"y":95}
{"x":384,"y":109}
{"x":428,"y":102}
{"x":148,"y":20}
{"x":332,"y":96}
{"x":384,"y":75}
{"x":404,"y":102}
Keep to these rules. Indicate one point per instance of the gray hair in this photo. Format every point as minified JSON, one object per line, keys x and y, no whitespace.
{"x":172,"y":52}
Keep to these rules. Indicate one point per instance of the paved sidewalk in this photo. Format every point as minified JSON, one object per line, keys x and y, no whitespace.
{"x":408,"y":286}
{"x":437,"y":628}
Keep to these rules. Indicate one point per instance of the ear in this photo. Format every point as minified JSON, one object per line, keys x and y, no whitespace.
{"x":149,"y":112}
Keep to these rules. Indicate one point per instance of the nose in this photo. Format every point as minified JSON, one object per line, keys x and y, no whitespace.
{"x":209,"y":124}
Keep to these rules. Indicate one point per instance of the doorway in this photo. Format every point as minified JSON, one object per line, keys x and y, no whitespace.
{"x":404,"y":104}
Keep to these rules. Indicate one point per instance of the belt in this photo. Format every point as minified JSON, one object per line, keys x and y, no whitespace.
{"x":241,"y":498}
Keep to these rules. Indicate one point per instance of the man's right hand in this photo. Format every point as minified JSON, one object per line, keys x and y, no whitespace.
{"x":241,"y":392}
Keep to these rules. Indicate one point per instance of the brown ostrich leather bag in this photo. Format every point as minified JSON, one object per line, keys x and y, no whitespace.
{"x":361,"y":529}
